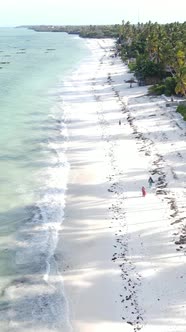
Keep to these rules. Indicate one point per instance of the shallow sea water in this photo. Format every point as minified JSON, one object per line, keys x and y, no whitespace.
{"x":33,"y":175}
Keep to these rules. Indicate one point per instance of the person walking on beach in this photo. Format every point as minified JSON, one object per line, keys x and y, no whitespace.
{"x":143,"y":191}
{"x":119,"y":122}
{"x":150,"y":181}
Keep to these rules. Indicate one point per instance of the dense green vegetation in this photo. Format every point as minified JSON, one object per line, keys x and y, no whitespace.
{"x":166,"y":87}
{"x":157,"y":54}
{"x":182,"y":110}
{"x":85,"y":31}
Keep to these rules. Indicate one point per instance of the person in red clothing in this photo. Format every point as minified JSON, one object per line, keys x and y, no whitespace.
{"x":143,"y":191}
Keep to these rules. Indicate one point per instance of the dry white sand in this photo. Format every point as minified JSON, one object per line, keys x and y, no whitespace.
{"x":122,"y":269}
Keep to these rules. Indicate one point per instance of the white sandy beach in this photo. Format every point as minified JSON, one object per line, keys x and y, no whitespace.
{"x":122,"y":256}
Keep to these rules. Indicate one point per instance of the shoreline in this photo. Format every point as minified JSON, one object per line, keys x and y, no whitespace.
{"x":114,"y":252}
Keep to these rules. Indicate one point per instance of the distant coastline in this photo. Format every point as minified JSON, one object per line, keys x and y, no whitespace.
{"x":150,"y":59}
{"x":84,"y":31}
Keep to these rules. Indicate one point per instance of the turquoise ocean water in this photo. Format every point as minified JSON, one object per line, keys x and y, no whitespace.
{"x":33,"y":175}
